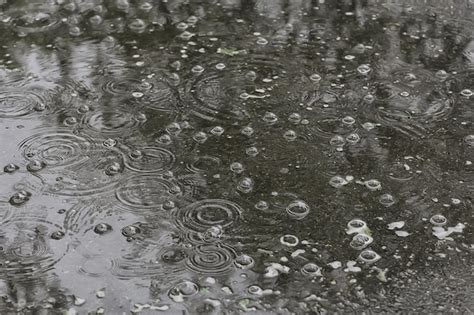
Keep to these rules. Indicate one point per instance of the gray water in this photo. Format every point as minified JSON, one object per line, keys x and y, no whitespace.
{"x":236,"y":156}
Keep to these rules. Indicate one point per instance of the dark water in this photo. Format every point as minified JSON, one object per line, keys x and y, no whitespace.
{"x":236,"y":156}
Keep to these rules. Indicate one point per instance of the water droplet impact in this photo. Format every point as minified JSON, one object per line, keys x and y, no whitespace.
{"x":182,"y":290}
{"x":261,"y":205}
{"x":247,"y":131}
{"x":200,"y":137}
{"x":262,"y":41}
{"x":364,"y":69}
{"x":337,"y":181}
{"x":289,"y":240}
{"x":290,"y":135}
{"x":466,"y":93}
{"x":211,"y":259}
{"x":217,"y":131}
{"x":11,"y":168}
{"x":251,"y":75}
{"x":244,"y":262}
{"x":352,"y":138}
{"x":252,"y":151}
{"x":298,"y":209}
{"x":137,"y":25}
{"x":70,"y":121}
{"x":237,"y":168}
{"x":294,"y":118}
{"x":369,"y":256}
{"x":373,"y":185}
{"x":173,"y":256}
{"x":469,"y":139}
{"x":220,"y":66}
{"x":315,"y":77}
{"x":20,"y":197}
{"x":360,"y":241}
{"x":337,"y":141}
{"x":438,"y":220}
{"x":212,"y":234}
{"x":270,"y":118}
{"x":197,"y":69}
{"x":102,"y":228}
{"x":441,"y":74}
{"x":245,"y":185}
{"x":348,"y":120}
{"x":356,"y":226}
{"x":387,"y":200}
{"x":109,"y":143}
{"x":35,"y":165}
{"x":131,"y":230}
{"x":113,"y":169}
{"x":255,"y":290}
{"x":174,"y":129}
{"x":311,"y":270}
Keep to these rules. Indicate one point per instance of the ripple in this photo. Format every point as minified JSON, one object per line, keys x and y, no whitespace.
{"x":211,"y":259}
{"x":96,"y":266}
{"x":147,"y":192}
{"x":201,"y":215}
{"x":124,"y":86}
{"x":6,"y":212}
{"x":204,"y":164}
{"x":19,"y":103}
{"x":113,"y":122}
{"x":150,"y":159}
{"x":57,"y":148}
{"x":34,"y":22}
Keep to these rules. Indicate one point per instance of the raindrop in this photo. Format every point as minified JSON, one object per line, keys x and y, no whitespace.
{"x":294,"y":118}
{"x":136,"y":154}
{"x":348,"y":120}
{"x":245,"y":185}
{"x":298,"y":209}
{"x":353,"y":138}
{"x":168,"y":205}
{"x":356,"y":226}
{"x":360,"y":241}
{"x":441,"y":74}
{"x":217,"y":131}
{"x":70,"y":121}
{"x":466,"y":93}
{"x":181,"y":26}
{"x":373,"y":185}
{"x":130,"y":231}
{"x":183,"y":290}
{"x":289,"y":240}
{"x":270,"y":118}
{"x":311,"y":270}
{"x":39,"y":107}
{"x":337,"y":141}
{"x":262,"y":41}
{"x":237,"y":168}
{"x":57,"y":235}
{"x":261,"y":205}
{"x":255,"y":290}
{"x":20,"y":197}
{"x":137,"y":25}
{"x":364,"y":69}
{"x":290,"y":135}
{"x":337,"y":181}
{"x":252,"y":151}
{"x":220,"y":66}
{"x":173,"y":129}
{"x":10,"y":168}
{"x":113,"y":169}
{"x":35,"y":165}
{"x":173,"y":255}
{"x":369,"y":98}
{"x":213,"y":233}
{"x":469,"y":139}
{"x":109,"y":143}
{"x":102,"y":228}
{"x":438,"y":220}
{"x":244,"y":262}
{"x":197,"y":69}
{"x":164,"y":139}
{"x":137,"y":94}
{"x":140,"y":117}
{"x":83,"y":109}
{"x":404,"y":94}
{"x":387,"y":200}
{"x":315,"y":77}
{"x":251,"y":75}
{"x":200,"y":137}
{"x":247,"y":131}
{"x":369,"y":256}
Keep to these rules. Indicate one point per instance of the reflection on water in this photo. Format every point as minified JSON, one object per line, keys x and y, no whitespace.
{"x":225,"y":156}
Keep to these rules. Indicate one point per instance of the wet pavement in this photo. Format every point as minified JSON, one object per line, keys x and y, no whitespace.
{"x":236,"y":156}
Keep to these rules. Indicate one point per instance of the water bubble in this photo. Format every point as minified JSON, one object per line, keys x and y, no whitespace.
{"x":262,"y":41}
{"x":173,"y":255}
{"x":261,"y":205}
{"x":164,"y":139}
{"x":369,"y":256}
{"x":20,"y":197}
{"x":387,"y":200}
{"x":168,"y":205}
{"x":174,"y":128}
{"x":315,"y":77}
{"x":289,"y":240}
{"x":298,"y":209}
{"x":251,"y":75}
{"x":10,"y":168}
{"x":311,"y":270}
{"x":217,"y":131}
{"x":337,"y":141}
{"x":348,"y":120}
{"x":220,"y":66}
{"x":39,"y":107}
{"x":404,"y":94}
{"x":270,"y":118}
{"x":356,"y":226}
{"x":75,"y":31}
{"x":469,"y":139}
{"x":200,"y":137}
{"x":360,"y":241}
{"x":187,"y":36}
{"x":213,"y":233}
{"x":146,"y":6}
{"x":438,"y":220}
{"x":364,"y":69}
{"x":353,"y":138}
{"x":113,"y":169}
{"x":136,"y":154}
{"x":441,"y":74}
{"x":102,"y":228}
{"x":182,"y":26}
{"x":122,"y":5}
{"x":247,"y":131}
{"x":252,"y":151}
{"x":70,"y":121}
{"x":57,"y":235}
{"x":290,"y":135}
{"x":245,"y":185}
{"x":137,"y":94}
{"x":244,"y":262}
{"x":109,"y":143}
{"x":183,"y":290}
{"x":337,"y":181}
{"x":237,"y":168}
{"x":83,"y":109}
{"x":131,"y":230}
{"x":197,"y":69}
{"x":349,"y":57}
{"x":466,"y":93}
{"x":294,"y":118}
{"x":96,"y":20}
{"x":369,"y":98}
{"x":35,"y":165}
{"x":373,"y":184}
